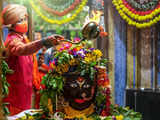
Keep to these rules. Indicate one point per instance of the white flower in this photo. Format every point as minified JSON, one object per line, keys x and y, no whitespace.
{"x":86,"y":8}
{"x":58,"y":116}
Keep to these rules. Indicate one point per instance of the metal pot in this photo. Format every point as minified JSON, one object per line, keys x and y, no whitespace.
{"x":91,"y":31}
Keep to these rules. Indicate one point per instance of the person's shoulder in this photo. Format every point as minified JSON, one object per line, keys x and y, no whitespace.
{"x":12,"y":37}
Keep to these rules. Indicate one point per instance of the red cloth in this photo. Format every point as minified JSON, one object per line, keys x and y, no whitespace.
{"x":40,"y":86}
{"x":20,"y":90}
{"x":44,"y":66}
{"x":37,"y":99}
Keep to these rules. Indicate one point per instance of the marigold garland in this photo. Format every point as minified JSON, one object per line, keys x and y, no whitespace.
{"x":140,"y":21}
{"x":52,"y":21}
{"x":150,"y":5}
{"x":72,"y":113}
{"x":139,"y":17}
{"x":142,"y":13}
{"x":64,"y":12}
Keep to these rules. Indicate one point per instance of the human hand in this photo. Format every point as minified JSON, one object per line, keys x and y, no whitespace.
{"x":55,"y":39}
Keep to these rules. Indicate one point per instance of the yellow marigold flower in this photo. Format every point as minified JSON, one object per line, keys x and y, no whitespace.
{"x":97,"y":52}
{"x":88,"y":55}
{"x":58,"y":69}
{"x":31,"y":118}
{"x":87,"y":59}
{"x":52,"y":65}
{"x":94,"y":58}
{"x":65,"y":68}
{"x":60,"y":72}
{"x":79,"y":47}
{"x":120,"y":117}
{"x":72,"y":62}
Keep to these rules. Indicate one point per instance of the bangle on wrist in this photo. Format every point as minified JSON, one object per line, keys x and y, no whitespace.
{"x":46,"y":43}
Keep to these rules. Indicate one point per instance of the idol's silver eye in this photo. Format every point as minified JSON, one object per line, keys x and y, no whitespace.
{"x":86,"y":86}
{"x":73,"y":85}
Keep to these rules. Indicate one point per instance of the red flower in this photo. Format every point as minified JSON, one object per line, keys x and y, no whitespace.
{"x":70,"y":52}
{"x":74,"y":49}
{"x":100,"y":82}
{"x":103,"y":113}
{"x":108,"y":103}
{"x":102,"y":33}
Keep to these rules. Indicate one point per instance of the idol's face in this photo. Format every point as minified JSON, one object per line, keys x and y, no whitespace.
{"x":79,"y":92}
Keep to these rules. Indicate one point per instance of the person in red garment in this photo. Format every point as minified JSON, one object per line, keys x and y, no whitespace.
{"x":20,"y":57}
{"x":43,"y":69}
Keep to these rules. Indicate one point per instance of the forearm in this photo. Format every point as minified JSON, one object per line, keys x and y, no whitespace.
{"x":16,"y":47}
{"x":28,"y":49}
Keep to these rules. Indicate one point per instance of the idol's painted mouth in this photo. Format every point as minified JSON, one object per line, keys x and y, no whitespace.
{"x":80,"y":101}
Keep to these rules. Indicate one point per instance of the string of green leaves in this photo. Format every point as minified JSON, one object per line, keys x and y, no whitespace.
{"x":5,"y":84}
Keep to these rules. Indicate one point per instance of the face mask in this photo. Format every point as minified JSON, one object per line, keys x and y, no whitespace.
{"x":21,"y":27}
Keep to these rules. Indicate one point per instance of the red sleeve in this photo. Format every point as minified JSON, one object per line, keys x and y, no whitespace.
{"x":13,"y":44}
{"x":16,"y":46}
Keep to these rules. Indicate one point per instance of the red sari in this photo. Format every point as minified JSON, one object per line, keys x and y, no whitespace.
{"x":20,"y":89}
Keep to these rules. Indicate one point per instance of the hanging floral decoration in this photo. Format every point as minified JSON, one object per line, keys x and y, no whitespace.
{"x":64,"y":19}
{"x":139,"y":6}
{"x":55,"y":12}
{"x":138,"y":14}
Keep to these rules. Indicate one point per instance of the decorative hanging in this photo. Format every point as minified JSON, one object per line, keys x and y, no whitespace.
{"x":140,"y":14}
{"x":56,"y":21}
{"x":55,"y":12}
{"x":141,"y":6}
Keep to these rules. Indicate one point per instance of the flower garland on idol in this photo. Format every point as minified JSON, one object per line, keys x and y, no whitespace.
{"x":55,"y":21}
{"x":138,"y":18}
